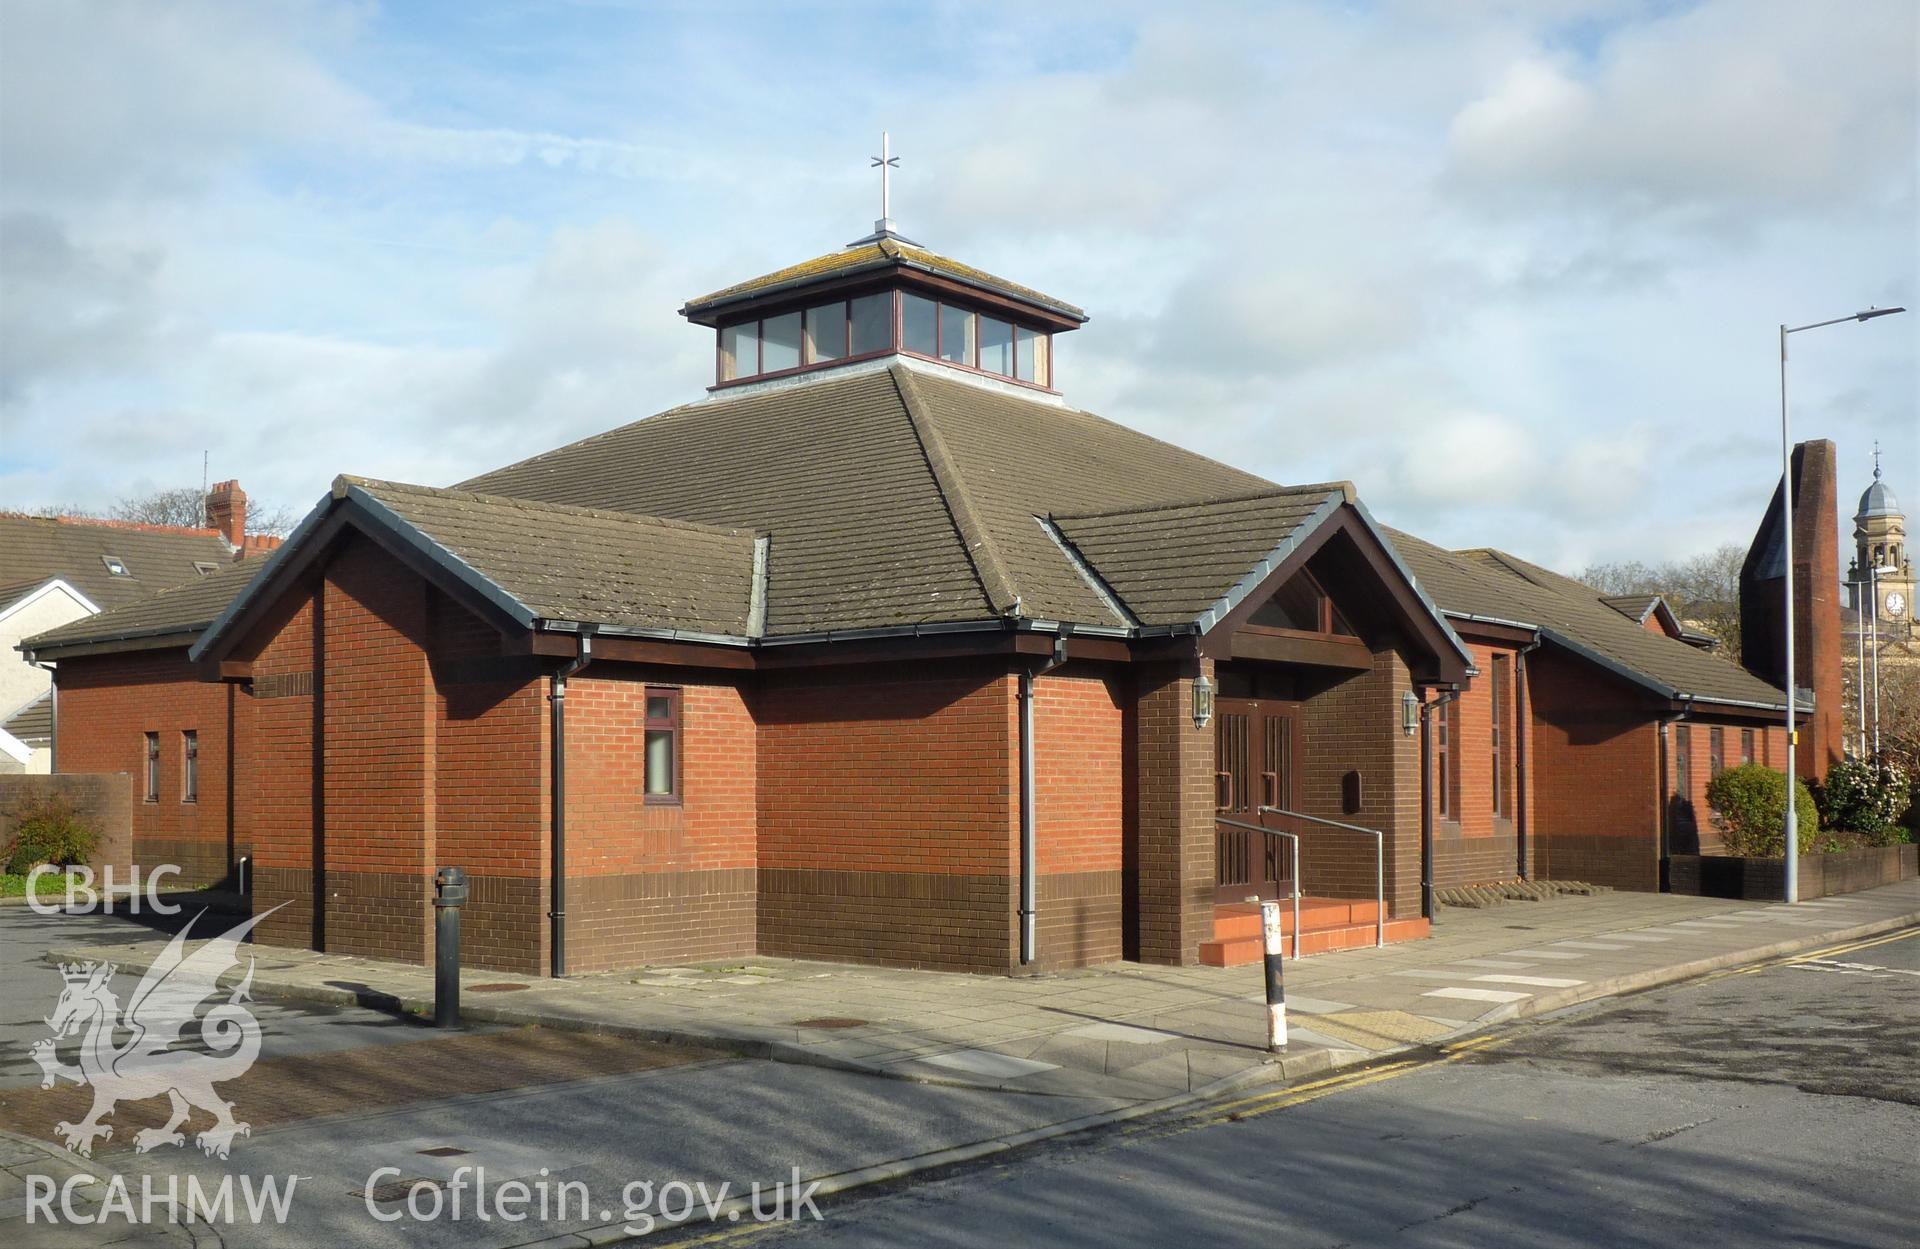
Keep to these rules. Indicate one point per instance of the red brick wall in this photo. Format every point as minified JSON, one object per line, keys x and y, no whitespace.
{"x":1080,"y":760}
{"x":1692,"y":829}
{"x":888,"y":817}
{"x":1595,"y":761}
{"x":1473,"y":845}
{"x":376,"y":673}
{"x":659,"y":882}
{"x":280,"y":781}
{"x":1170,"y":881}
{"x":108,"y":703}
{"x":490,"y":789}
{"x":1355,"y":725}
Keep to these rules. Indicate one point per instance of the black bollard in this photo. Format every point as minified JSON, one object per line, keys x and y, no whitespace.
{"x":1275,"y":968}
{"x":449,"y":892}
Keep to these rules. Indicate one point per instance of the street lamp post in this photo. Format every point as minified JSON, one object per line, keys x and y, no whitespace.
{"x":1786,"y":535}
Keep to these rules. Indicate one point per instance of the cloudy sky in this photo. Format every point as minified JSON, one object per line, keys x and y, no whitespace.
{"x":1514,"y":269}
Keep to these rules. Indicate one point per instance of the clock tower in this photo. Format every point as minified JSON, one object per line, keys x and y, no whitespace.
{"x":1880,"y":541}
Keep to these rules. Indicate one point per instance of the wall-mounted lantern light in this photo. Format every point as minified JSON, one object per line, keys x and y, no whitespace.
{"x":1409,"y":713}
{"x":1202,"y":703}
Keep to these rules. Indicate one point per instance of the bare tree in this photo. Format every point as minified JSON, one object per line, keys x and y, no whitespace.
{"x":1703,"y":590}
{"x":184,"y":506}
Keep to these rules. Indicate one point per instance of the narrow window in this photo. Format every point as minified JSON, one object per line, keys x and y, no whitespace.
{"x":1716,"y":751}
{"x":780,"y":343}
{"x":190,"y":767}
{"x":919,"y":325}
{"x":1746,"y":745}
{"x":663,"y":745}
{"x":153,"y":767}
{"x":956,"y":334}
{"x":1497,"y":735}
{"x":1683,"y":761}
{"x":1443,"y":758}
{"x":1024,"y":348}
{"x":871,"y":318}
{"x":826,"y":333}
{"x":996,"y":346}
{"x":740,"y":350}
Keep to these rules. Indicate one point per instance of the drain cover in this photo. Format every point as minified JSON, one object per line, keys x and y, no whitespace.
{"x":831,"y":1021}
{"x":494,"y":988}
{"x":395,"y":1190}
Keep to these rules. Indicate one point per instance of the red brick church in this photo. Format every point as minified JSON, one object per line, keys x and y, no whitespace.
{"x":883,"y":651}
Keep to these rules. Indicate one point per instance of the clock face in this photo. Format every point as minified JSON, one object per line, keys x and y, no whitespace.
{"x":1896,"y":603}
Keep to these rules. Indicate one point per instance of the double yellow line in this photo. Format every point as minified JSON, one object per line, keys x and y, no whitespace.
{"x":1313,"y":1090}
{"x":1905,"y":934}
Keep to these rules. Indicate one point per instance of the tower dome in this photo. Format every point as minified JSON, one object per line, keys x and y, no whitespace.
{"x":1877,"y":500}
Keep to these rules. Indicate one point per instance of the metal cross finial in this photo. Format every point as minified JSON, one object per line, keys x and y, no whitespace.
{"x":1876,"y":459}
{"x":885,"y":163}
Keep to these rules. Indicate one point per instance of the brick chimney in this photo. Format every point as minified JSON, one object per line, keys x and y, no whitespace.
{"x":1816,"y":608}
{"x":227,"y":512}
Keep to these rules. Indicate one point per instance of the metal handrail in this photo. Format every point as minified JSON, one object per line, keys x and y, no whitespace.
{"x":1294,"y":851}
{"x":1379,"y":866}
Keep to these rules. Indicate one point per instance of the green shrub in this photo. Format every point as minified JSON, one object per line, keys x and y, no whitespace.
{"x":1750,"y":810}
{"x":48,"y":831}
{"x":1867,"y":796}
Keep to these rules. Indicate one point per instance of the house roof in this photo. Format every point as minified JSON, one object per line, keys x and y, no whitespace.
{"x":36,"y":548}
{"x":1500,"y":588}
{"x":184,"y":609}
{"x":1635,"y":607}
{"x":892,"y":497}
{"x":872,"y":257}
{"x":32,"y":723}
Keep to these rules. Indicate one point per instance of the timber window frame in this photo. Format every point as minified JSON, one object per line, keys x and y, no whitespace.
{"x":189,"y":765}
{"x":153,"y":766}
{"x":661,"y":740}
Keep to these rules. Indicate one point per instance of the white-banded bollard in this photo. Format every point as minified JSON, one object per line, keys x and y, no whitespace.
{"x":1276,"y":986}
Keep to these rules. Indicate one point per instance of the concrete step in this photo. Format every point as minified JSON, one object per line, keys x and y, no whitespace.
{"x":1238,"y":951}
{"x":1242,"y":919}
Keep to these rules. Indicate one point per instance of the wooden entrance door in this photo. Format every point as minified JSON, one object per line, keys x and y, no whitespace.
{"x":1254,"y":742}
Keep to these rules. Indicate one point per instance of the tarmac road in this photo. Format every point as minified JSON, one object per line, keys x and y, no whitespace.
{"x":1777,"y":1105}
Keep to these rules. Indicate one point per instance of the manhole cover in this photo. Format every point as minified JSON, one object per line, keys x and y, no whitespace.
{"x":494,"y":988}
{"x":395,"y":1190}
{"x":831,"y":1021}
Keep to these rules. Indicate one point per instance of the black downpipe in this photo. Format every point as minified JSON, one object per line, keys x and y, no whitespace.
{"x":1029,"y":807}
{"x":1523,"y":731}
{"x":557,"y":914}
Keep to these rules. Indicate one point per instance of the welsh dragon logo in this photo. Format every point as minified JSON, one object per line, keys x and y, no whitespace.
{"x":161,"y":1058}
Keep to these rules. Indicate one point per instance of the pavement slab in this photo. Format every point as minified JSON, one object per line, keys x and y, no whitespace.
{"x":1123,"y":1032}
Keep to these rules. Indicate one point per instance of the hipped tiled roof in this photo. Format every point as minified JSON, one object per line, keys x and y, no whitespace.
{"x":892,"y":498}
{"x":1496,"y":586}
